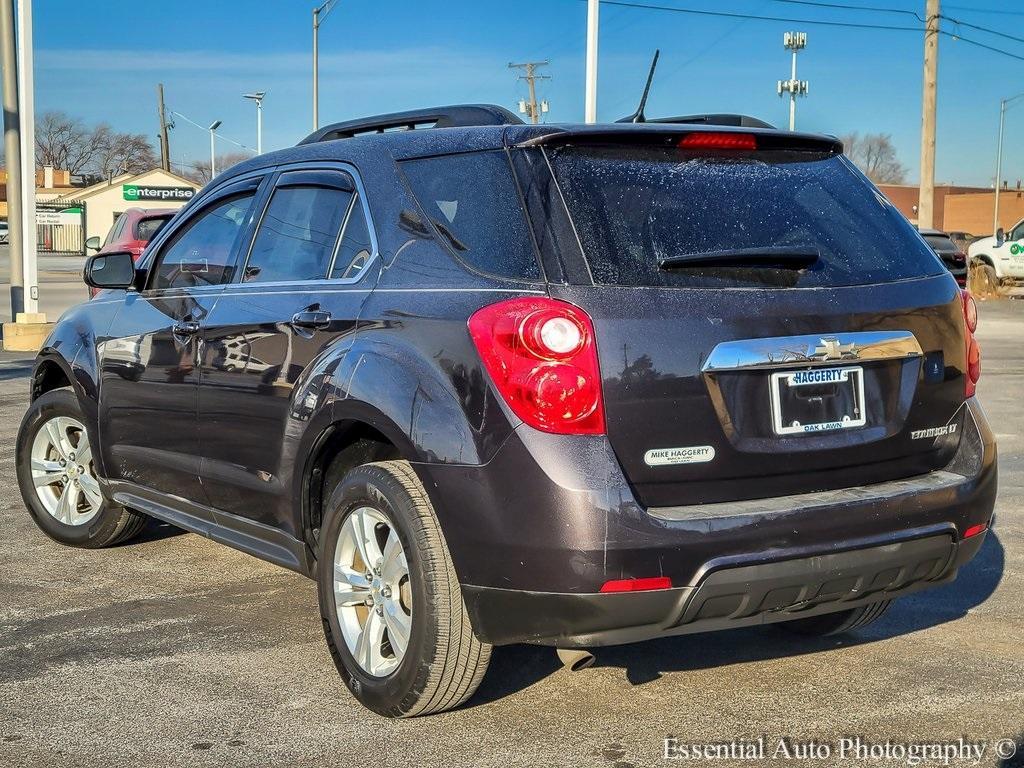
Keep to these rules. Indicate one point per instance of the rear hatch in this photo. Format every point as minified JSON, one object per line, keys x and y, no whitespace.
{"x":767,"y":323}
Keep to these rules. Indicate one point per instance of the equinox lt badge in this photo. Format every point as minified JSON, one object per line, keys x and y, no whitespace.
{"x":694,"y":454}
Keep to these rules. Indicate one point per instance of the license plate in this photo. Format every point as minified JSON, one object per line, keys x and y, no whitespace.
{"x":813,"y":400}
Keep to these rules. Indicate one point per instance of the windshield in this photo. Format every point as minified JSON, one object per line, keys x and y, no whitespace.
{"x":636,"y":206}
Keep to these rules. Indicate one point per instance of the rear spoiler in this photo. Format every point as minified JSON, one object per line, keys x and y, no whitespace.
{"x":670,"y":135}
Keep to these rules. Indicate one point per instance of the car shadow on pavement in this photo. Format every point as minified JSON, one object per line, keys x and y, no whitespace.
{"x":155,"y":530}
{"x":514,"y":668}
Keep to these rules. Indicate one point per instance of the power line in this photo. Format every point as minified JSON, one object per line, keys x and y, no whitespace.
{"x":784,"y":19}
{"x":819,"y":22}
{"x":845,"y":7}
{"x":882,"y":9}
{"x":205,"y":128}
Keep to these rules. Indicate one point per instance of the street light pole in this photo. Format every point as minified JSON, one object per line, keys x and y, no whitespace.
{"x":999,"y":157}
{"x":258,"y":98}
{"x":593,"y":20}
{"x":321,"y":10}
{"x":213,"y":148}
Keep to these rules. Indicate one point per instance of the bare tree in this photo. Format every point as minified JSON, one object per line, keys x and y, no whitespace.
{"x":66,"y":143}
{"x":200,"y":171}
{"x":875,"y":155}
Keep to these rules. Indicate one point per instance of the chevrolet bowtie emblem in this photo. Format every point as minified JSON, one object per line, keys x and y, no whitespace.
{"x":832,"y":349}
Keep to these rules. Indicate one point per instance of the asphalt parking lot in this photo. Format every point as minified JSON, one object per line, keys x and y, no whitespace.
{"x":172,"y":650}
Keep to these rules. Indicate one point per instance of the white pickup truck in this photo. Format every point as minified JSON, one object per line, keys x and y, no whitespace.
{"x":1002,"y":255}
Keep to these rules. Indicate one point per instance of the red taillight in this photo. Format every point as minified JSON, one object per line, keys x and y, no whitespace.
{"x":637,"y":585}
{"x":973,"y":372}
{"x":974,"y":530}
{"x":718,"y":140}
{"x":542,"y":356}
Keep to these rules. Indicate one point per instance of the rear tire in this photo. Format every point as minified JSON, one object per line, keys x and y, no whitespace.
{"x":829,"y":624}
{"x":442,"y":662}
{"x":57,"y":477}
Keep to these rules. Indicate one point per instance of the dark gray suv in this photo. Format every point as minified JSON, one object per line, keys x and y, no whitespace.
{"x":495,"y":383}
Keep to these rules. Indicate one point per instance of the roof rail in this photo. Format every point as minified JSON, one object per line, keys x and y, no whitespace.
{"x":417,"y":119}
{"x":723,"y":118}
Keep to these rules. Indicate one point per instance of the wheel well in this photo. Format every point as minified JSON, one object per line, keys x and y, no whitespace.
{"x":49,"y":376}
{"x":344,"y":447}
{"x":984,"y":259}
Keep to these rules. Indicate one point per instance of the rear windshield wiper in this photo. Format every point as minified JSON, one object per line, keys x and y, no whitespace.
{"x":779,"y":257}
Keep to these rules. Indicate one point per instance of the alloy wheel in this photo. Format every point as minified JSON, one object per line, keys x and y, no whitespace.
{"x":63,"y":473}
{"x":372,"y":591}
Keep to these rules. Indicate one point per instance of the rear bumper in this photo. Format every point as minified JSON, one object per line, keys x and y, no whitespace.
{"x":537,"y":531}
{"x":728,"y":597}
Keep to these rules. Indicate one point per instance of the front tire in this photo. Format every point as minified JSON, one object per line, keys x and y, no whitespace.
{"x":390,"y":601}
{"x":58,"y":481}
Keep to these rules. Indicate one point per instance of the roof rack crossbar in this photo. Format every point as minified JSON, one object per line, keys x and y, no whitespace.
{"x":416,"y":120}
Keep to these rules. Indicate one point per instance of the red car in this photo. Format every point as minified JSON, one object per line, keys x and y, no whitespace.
{"x":131,"y":232}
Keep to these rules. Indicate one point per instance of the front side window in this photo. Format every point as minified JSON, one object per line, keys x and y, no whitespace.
{"x":203,"y":254}
{"x":474,"y":205}
{"x":298,"y":235}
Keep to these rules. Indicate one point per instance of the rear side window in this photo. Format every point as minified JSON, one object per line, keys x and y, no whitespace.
{"x":474,"y":205}
{"x":356,"y":247}
{"x":298,"y":234}
{"x":204,"y":253}
{"x":634,"y":206}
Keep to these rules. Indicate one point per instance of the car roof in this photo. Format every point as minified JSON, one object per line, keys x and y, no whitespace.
{"x":427,"y":142}
{"x":932,"y":232}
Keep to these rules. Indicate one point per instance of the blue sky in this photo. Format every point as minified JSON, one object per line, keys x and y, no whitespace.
{"x":102,"y":61}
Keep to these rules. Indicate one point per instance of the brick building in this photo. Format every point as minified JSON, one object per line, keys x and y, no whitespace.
{"x":960,"y":209}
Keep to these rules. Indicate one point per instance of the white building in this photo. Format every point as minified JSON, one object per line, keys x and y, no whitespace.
{"x":105,"y":201}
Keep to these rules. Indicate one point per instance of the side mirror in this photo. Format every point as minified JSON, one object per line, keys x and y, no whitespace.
{"x":93,"y":243}
{"x":1000,"y":236}
{"x":110,"y":270}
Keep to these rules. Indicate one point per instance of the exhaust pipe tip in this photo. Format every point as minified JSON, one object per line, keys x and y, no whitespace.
{"x":575,"y":659}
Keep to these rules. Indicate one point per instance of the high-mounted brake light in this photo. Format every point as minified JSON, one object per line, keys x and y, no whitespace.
{"x":542,"y":356}
{"x":973,"y":372}
{"x":718,"y":140}
{"x":637,"y":585}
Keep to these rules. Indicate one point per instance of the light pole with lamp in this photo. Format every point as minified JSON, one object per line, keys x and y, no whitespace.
{"x":213,"y":148}
{"x":999,"y":158}
{"x":319,"y":14}
{"x":258,"y":98}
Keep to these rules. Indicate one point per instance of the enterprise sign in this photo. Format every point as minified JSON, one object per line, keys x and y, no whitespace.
{"x":136,"y":192}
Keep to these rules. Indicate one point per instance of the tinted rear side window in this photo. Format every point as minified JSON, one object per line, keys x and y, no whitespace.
{"x":633,"y":207}
{"x":298,"y":234}
{"x":474,"y":205}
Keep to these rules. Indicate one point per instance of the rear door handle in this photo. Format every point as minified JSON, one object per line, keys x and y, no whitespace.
{"x":315,"y":319}
{"x":186,"y":328}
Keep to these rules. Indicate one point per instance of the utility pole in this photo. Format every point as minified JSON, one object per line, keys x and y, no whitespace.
{"x":593,"y":19}
{"x":925,"y":203}
{"x":531,"y":108}
{"x":258,"y":98}
{"x":213,"y":148}
{"x":1003,"y":104}
{"x":165,"y":149}
{"x":793,"y":41}
{"x":12,"y":150}
{"x":319,"y":14}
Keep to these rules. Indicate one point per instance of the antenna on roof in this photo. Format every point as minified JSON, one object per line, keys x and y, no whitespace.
{"x":638,"y":116}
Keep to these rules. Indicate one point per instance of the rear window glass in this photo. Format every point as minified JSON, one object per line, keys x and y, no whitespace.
{"x":633,"y":207}
{"x":940,"y":243}
{"x":474,"y":205}
{"x":146,"y":229}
